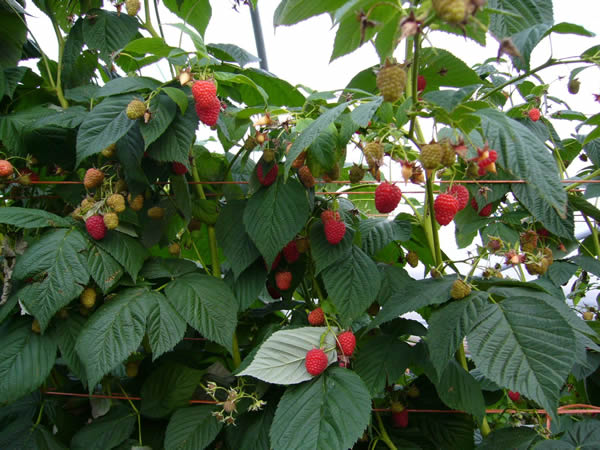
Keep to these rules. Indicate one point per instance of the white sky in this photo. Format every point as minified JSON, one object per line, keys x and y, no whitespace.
{"x":300,"y":54}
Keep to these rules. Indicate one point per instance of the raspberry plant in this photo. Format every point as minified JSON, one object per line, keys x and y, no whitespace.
{"x":186,"y":273}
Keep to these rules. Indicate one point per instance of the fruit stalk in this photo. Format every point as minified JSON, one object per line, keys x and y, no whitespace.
{"x":383,"y":432}
{"x":413,"y":82}
{"x":594,"y":232}
{"x":437,"y":252}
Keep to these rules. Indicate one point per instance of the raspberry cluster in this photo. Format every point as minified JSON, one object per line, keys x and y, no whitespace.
{"x":208,"y":105}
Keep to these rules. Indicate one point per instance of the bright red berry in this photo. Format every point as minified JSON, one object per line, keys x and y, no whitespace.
{"x":485,"y":211}
{"x":209,"y":115}
{"x":95,"y":227}
{"x":204,"y":92}
{"x":329,"y":215}
{"x":283,"y":280}
{"x":316,"y":317}
{"x":514,"y":396}
{"x":270,"y":177}
{"x":347,"y":342}
{"x":291,"y":253}
{"x":461,"y":194}
{"x":400,"y":418}
{"x":421,"y":83}
{"x":534,"y":114}
{"x":445,"y":207}
{"x":387,"y":197}
{"x":316,"y":361}
{"x":273,"y":292}
{"x":6,"y":168}
{"x":335,"y":231}
{"x":178,"y":168}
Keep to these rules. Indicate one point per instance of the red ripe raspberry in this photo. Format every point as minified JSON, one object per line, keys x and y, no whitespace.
{"x":316,"y":317}
{"x":400,"y":418}
{"x":347,"y":342}
{"x":445,"y":207}
{"x":329,"y":215}
{"x":204,"y":92}
{"x":421,"y":83}
{"x":461,"y":194}
{"x":387,"y":197}
{"x":485,"y":211}
{"x":335,"y":231}
{"x":273,"y":292}
{"x":95,"y":227}
{"x":270,"y":177}
{"x":316,"y":361}
{"x":209,"y":115}
{"x":178,"y":168}
{"x":274,"y":264}
{"x":6,"y":168}
{"x":283,"y":280}
{"x":514,"y":396}
{"x":291,"y":253}
{"x":534,"y":114}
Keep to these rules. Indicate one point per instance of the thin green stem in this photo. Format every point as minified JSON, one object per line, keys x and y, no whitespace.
{"x":137,"y":413}
{"x":318,"y":289}
{"x":147,"y":24}
{"x":594,"y":232}
{"x":437,"y":251}
{"x":214,"y":251}
{"x":414,"y":81}
{"x":39,"y":417}
{"x":591,"y":176}
{"x":237,"y":359}
{"x":385,"y":437}
{"x":61,"y":48}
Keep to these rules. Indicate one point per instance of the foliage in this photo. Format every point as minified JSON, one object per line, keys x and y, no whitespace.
{"x":190,"y":306}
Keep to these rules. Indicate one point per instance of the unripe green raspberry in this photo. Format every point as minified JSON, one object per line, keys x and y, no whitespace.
{"x":451,"y":11}
{"x":374,"y":152}
{"x":132,"y":7}
{"x":391,"y":81}
{"x":448,"y":154}
{"x":136,"y":109}
{"x":111,"y":220}
{"x":431,"y":156}
{"x":356,"y":174}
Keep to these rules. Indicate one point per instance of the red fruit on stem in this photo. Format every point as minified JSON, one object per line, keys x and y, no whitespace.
{"x":335,"y":231}
{"x":387,"y":197}
{"x":316,"y":317}
{"x":485,"y":211}
{"x":6,"y":168}
{"x":461,"y":194}
{"x":329,"y":215}
{"x":283,"y":280}
{"x":95,"y":227}
{"x":316,"y":361}
{"x":445,"y":207}
{"x":347,"y":343}
{"x":273,"y":292}
{"x":275,"y":263}
{"x":291,"y":253}
{"x":209,"y":115}
{"x":514,"y":396}
{"x":534,"y":114}
{"x":178,"y":168}
{"x":400,"y":418}
{"x":270,"y":177}
{"x":421,"y":83}
{"x":204,"y":91}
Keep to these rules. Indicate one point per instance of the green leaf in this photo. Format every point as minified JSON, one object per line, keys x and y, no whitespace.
{"x":587,"y":263}
{"x":526,"y":157}
{"x":352,"y":284}
{"x":207,"y":304}
{"x":167,"y":268}
{"x":381,"y":360}
{"x":335,"y":406}
{"x":377,"y":233}
{"x":274,"y":215}
{"x":106,"y":432}
{"x":195,"y":37}
{"x":163,"y":111}
{"x":308,"y":136}
{"x":128,"y":251}
{"x":578,"y":203}
{"x":520,"y":16}
{"x":325,"y":254}
{"x":362,"y":114}
{"x":519,"y":438}
{"x":280,"y":359}
{"x":583,"y":435}
{"x":165,"y":327}
{"x":125,"y":85}
{"x":30,"y":218}
{"x":413,"y":295}
{"x":105,"y":125}
{"x":66,"y":334}
{"x":103,"y":268}
{"x":449,"y":325}
{"x":26,"y":359}
{"x":197,"y":13}
{"x":252,"y":430}
{"x":233,"y":239}
{"x":175,"y":143}
{"x":525,"y":345}
{"x":13,"y":35}
{"x":249,"y":285}
{"x":444,"y":69}
{"x":113,"y":332}
{"x":178,"y":96}
{"x":236,"y":78}
{"x":192,"y":428}
{"x":167,"y":388}
{"x":459,"y":390}
{"x":232,"y":53}
{"x":290,"y":12}
{"x":108,"y":31}
{"x":280,"y":92}
{"x":59,"y":269}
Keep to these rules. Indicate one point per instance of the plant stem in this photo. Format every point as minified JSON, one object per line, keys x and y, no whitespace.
{"x":61,"y":48}
{"x":385,"y":437}
{"x":414,"y":82}
{"x":436,"y":251}
{"x":147,"y":24}
{"x":237,"y":359}
{"x":594,"y":232}
{"x":137,"y":413}
{"x":594,"y":174}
